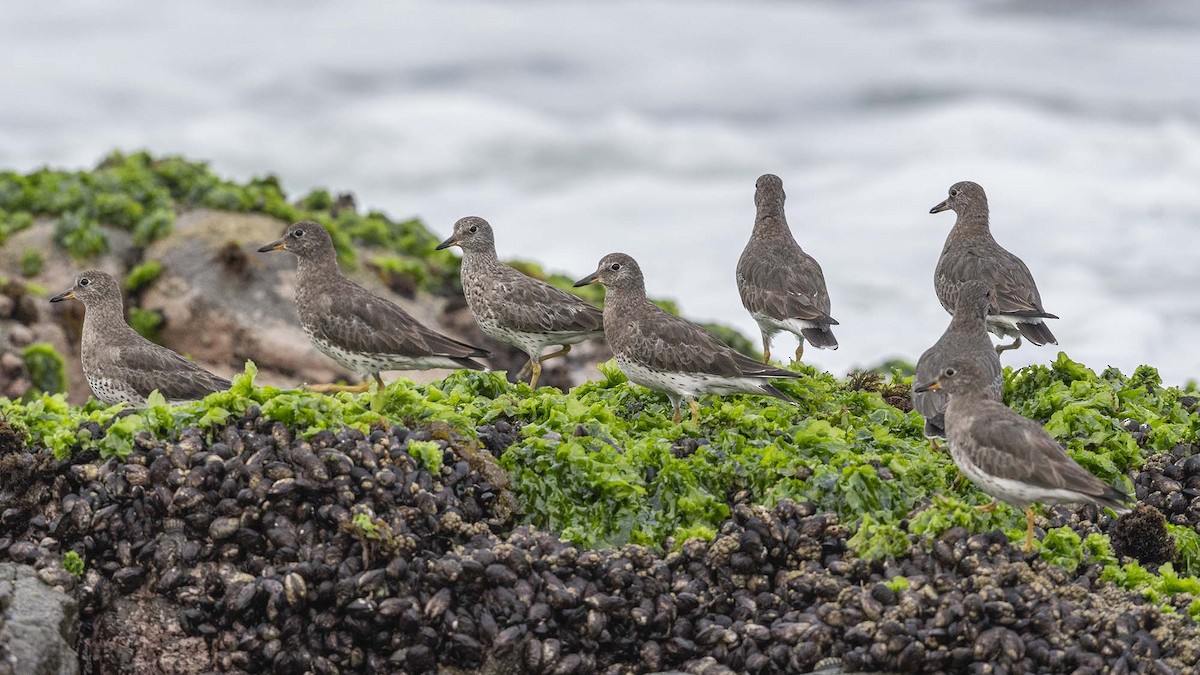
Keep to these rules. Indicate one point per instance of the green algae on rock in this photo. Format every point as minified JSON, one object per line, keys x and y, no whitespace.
{"x":603,"y":465}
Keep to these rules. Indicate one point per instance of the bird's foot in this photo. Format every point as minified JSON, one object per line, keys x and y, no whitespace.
{"x":1028,"y":547}
{"x":1000,"y":349}
{"x":987,"y":508}
{"x":695,"y":406}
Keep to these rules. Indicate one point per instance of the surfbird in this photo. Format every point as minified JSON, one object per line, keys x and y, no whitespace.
{"x":965,"y":337}
{"x":515,"y":308}
{"x":121,"y":366}
{"x":351,"y":325}
{"x":1008,"y":456}
{"x":782,"y":287}
{"x":669,"y":354}
{"x":970,"y":252}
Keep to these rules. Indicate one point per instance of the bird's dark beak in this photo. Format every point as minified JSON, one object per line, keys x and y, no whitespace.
{"x":593,"y":278}
{"x":65,"y":295}
{"x":273,"y":246}
{"x":928,"y":386}
{"x":940,"y":207}
{"x":450,"y":241}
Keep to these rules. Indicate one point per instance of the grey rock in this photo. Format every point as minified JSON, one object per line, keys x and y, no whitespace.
{"x":39,"y":625}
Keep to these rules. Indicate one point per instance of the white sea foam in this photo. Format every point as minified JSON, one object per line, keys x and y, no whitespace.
{"x":583,"y":128}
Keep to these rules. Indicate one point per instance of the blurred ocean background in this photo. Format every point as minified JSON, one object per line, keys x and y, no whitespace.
{"x":581,"y":128}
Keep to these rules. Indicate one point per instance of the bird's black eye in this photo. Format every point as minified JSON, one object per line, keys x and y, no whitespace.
{"x":474,"y":228}
{"x":949,"y":372}
{"x":954,"y":193}
{"x":615,"y":266}
{"x":84,"y":281}
{"x":297,"y":233}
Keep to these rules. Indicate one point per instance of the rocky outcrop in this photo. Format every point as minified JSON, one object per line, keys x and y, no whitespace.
{"x":222,"y":303}
{"x":39,"y":625}
{"x":143,"y":635}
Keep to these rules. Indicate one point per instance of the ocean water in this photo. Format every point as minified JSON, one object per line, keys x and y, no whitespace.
{"x":581,"y":128}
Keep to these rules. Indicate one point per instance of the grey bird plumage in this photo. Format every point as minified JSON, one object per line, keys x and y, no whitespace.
{"x":121,"y":366}
{"x":781,"y":286}
{"x":362,"y":331}
{"x":1011,"y":457}
{"x":971,"y":252}
{"x":669,"y":354}
{"x":515,"y":308}
{"x":965,"y":338}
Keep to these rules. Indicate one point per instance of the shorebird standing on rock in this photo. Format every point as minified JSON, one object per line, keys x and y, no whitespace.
{"x":665,"y":353}
{"x":351,"y":325}
{"x":965,"y":337}
{"x":782,"y":287}
{"x":121,"y":366}
{"x":1011,"y":457}
{"x":515,"y":308}
{"x":970,"y":252}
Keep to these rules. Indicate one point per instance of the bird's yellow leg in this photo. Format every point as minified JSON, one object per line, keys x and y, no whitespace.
{"x":677,"y":416}
{"x":933,"y":445}
{"x":555,"y":355}
{"x":332,"y":388}
{"x":800,"y":351}
{"x":766,"y":348}
{"x":1028,"y":529}
{"x":988,"y":508}
{"x":695,"y":406}
{"x":537,"y":372}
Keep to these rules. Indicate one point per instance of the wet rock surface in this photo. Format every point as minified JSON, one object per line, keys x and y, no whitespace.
{"x":39,"y":624}
{"x":249,"y":549}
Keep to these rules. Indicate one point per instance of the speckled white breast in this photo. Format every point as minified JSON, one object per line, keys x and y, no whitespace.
{"x":533,"y":344}
{"x":678,"y":385}
{"x":111,"y":391}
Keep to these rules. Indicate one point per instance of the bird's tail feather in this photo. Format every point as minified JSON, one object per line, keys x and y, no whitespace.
{"x":1113,"y":499}
{"x":770,"y":389}
{"x":1037,"y":333}
{"x":466,"y":362}
{"x":934,"y":428}
{"x":821,"y":338}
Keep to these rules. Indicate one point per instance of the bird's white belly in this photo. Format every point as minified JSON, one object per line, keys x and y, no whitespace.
{"x":1012,"y":491}
{"x":772,"y":325}
{"x":533,"y":344}
{"x":687,"y":384}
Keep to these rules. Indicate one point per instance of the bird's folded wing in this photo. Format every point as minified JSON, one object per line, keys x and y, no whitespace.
{"x":1014,"y":289}
{"x":783,"y":290}
{"x":532,"y":305}
{"x":668,"y":343}
{"x":367,"y":323}
{"x":146,"y":366}
{"x":1019,"y":449}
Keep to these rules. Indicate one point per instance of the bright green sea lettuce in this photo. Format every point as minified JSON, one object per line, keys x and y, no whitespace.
{"x":603,"y":464}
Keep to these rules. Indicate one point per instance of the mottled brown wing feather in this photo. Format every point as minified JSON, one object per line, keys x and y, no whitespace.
{"x":1018,"y":448}
{"x":1015,"y":290}
{"x":363,"y":322}
{"x":534,"y":306}
{"x":666,"y":342}
{"x":783,"y":284}
{"x":147,"y":366}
